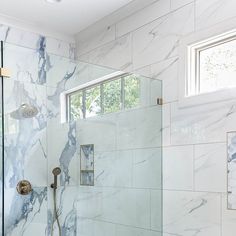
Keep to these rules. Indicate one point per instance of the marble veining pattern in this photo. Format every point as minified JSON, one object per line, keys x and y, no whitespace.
{"x":231,"y":170}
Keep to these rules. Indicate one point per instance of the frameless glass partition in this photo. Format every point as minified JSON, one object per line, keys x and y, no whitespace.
{"x":102,"y":128}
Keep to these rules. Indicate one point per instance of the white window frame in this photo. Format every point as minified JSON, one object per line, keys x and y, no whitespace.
{"x":64,"y":95}
{"x":188,"y":77}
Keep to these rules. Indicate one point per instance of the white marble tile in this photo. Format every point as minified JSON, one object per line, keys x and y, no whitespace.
{"x":61,"y":48}
{"x":100,"y":131}
{"x":191,"y":213}
{"x":167,"y":72}
{"x":116,"y":205}
{"x":211,"y":12}
{"x":231,"y":167}
{"x":166,"y":125}
{"x":88,"y":41}
{"x":147,"y":168}
{"x":117,"y":54}
{"x":175,"y":4}
{"x":90,"y":202}
{"x":131,"y":231}
{"x":114,"y":168}
{"x":202,"y":124}
{"x":139,"y":128}
{"x":25,"y":142}
{"x":210,"y":167}
{"x":178,"y":167}
{"x":156,"y":210}
{"x":63,"y":73}
{"x":142,"y":17}
{"x":228,"y":219}
{"x":66,"y":201}
{"x":62,"y":152}
{"x":20,"y":37}
{"x":88,"y":227}
{"x":25,"y":64}
{"x":25,"y":214}
{"x":159,"y":40}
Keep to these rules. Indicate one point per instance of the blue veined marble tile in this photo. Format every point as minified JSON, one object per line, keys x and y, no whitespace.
{"x":232,"y":170}
{"x":62,"y":152}
{"x":42,"y":61}
{"x":66,"y":198}
{"x":26,"y":215}
{"x":25,"y":138}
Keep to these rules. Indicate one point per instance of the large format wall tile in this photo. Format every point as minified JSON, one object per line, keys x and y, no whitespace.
{"x":156,"y":210}
{"x":66,"y":200}
{"x":191,"y":213}
{"x":211,"y":12}
{"x":116,"y":54}
{"x":167,"y":72}
{"x":25,"y":140}
{"x":63,"y":152}
{"x":159,"y":40}
{"x":140,"y":18}
{"x":175,"y":4}
{"x":147,"y":168}
{"x":26,"y":215}
{"x":144,"y":124}
{"x":87,"y":42}
{"x":114,"y":168}
{"x":178,"y":167}
{"x":89,"y":227}
{"x":100,"y":131}
{"x":210,"y":167}
{"x":202,"y":124}
{"x":115,"y":205}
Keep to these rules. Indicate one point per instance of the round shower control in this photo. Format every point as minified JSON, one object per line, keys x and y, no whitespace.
{"x":24,"y":187}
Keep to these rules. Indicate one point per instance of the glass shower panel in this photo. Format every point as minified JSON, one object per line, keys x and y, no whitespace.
{"x":122,"y":147}
{"x":126,"y":198}
{"x":1,"y":148}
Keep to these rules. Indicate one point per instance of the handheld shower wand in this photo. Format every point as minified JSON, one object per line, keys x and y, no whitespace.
{"x":56,"y":171}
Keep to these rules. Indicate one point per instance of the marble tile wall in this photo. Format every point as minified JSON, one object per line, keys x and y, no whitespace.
{"x":126,"y":197}
{"x":194,"y":139}
{"x":41,"y":68}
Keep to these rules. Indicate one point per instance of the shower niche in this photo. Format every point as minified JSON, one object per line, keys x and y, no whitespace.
{"x":87,"y":165}
{"x":231,"y":170}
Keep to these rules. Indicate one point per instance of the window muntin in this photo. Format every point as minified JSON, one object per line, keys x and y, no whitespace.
{"x":109,"y":96}
{"x":211,"y":66}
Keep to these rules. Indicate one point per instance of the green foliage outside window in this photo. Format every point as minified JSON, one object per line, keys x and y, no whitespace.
{"x":93,"y":101}
{"x":112,"y":96}
{"x":105,"y":97}
{"x":131,"y":91}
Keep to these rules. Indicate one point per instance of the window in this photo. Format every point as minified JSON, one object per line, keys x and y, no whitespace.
{"x":110,"y":95}
{"x":211,"y":65}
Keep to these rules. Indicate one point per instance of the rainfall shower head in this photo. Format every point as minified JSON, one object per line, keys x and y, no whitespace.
{"x":24,"y":111}
{"x":56,"y":171}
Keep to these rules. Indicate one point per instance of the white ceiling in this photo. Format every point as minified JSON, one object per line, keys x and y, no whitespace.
{"x":67,"y":17}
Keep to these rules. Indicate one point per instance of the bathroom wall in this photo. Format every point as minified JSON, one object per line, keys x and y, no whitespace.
{"x":194,"y":138}
{"x":41,"y":68}
{"x":126,"y":198}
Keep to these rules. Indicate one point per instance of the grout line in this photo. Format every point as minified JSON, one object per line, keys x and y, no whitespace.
{"x":132,"y":31}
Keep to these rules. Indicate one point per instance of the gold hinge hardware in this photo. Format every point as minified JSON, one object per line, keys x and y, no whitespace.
{"x":5,"y":72}
{"x":159,"y":101}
